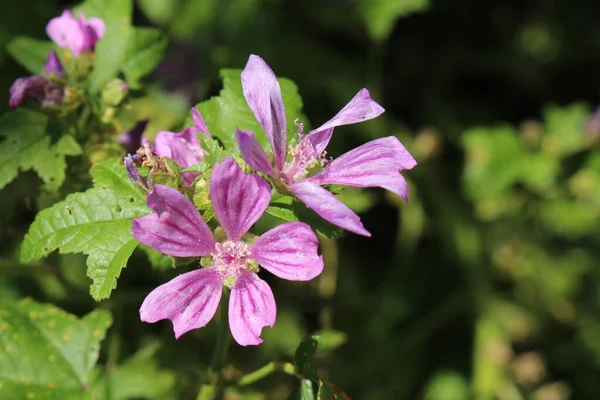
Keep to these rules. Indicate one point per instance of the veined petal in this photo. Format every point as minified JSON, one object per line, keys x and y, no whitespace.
{"x":199,"y":122}
{"x":361,"y":108}
{"x":183,"y":147}
{"x":252,"y":152}
{"x":375,"y":163}
{"x":66,"y":31}
{"x":175,"y":226}
{"x":263,"y":95}
{"x":239,"y":199}
{"x":328,"y":207}
{"x":289,"y":251}
{"x":251,"y":307}
{"x":189,"y":300}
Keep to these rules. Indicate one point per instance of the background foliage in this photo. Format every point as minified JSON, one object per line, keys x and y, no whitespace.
{"x":484,"y":285}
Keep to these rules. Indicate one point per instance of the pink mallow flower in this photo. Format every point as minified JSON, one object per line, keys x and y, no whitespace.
{"x":176,"y":228}
{"x":183,"y":147}
{"x":377,"y":163}
{"x":78,"y":35}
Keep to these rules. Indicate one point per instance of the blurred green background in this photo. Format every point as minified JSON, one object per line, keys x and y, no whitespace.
{"x":483,"y":286}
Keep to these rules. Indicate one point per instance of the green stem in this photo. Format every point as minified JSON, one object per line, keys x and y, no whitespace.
{"x":223,"y":338}
{"x":265,"y":371}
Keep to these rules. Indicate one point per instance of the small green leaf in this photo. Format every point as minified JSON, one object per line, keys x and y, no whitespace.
{"x":114,"y":49}
{"x":381,"y":15}
{"x":289,"y":209}
{"x":26,"y":146}
{"x":96,"y":222}
{"x":494,"y":160}
{"x":156,"y":258}
{"x":228,"y":111}
{"x":139,"y":376}
{"x":146,"y":51}
{"x":47,"y":353}
{"x":331,"y":339}
{"x":282,"y":207}
{"x":565,"y":129}
{"x":30,"y":53}
{"x":303,"y":359}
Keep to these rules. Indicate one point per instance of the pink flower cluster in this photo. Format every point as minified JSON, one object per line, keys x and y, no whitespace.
{"x":289,"y":251}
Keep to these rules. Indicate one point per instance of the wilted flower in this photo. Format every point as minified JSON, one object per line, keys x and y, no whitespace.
{"x":78,"y":35}
{"x":38,"y":89}
{"x":376,"y":163}
{"x":183,"y":147}
{"x":53,"y":65}
{"x":176,"y":228}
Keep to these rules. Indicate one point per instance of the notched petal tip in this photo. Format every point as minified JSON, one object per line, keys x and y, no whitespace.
{"x":251,"y":308}
{"x":328,"y":207}
{"x":189,"y":301}
{"x":289,"y":251}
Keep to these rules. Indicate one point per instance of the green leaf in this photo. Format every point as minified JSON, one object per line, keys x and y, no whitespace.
{"x":146,"y":51}
{"x":30,"y":53}
{"x":289,"y":209}
{"x":26,"y":146}
{"x":282,"y":207}
{"x":303,"y":359}
{"x":381,"y":15}
{"x":114,"y":49}
{"x":96,"y":222}
{"x":494,"y":160}
{"x":565,"y":129}
{"x":331,"y":339}
{"x":157,"y":259}
{"x":47,"y":353}
{"x":228,"y":111}
{"x":139,"y":376}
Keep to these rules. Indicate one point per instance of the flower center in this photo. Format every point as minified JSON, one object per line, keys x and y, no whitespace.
{"x":304,"y":156}
{"x":229,"y":257}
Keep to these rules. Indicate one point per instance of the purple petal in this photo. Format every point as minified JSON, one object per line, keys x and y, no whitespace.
{"x":132,"y":171}
{"x":175,"y":227}
{"x":38,"y":89}
{"x":251,"y":307}
{"x":189,"y":300}
{"x":199,"y":122}
{"x":252,"y":152}
{"x":98,"y":26}
{"x":132,"y":140}
{"x":361,"y":108}
{"x":66,"y":31}
{"x":289,"y":251}
{"x":239,"y":199}
{"x":53,"y":65}
{"x":375,"y":163}
{"x":263,"y":95}
{"x":328,"y":207}
{"x":182,"y":147}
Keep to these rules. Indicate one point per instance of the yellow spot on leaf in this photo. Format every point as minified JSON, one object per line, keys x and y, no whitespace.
{"x":5,"y":326}
{"x":30,"y":395}
{"x":51,"y":358}
{"x":52,"y":385}
{"x":52,"y":311}
{"x":66,"y":338}
{"x":8,"y":348}
{"x":51,"y":324}
{"x":33,"y":315}
{"x":96,"y":333}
